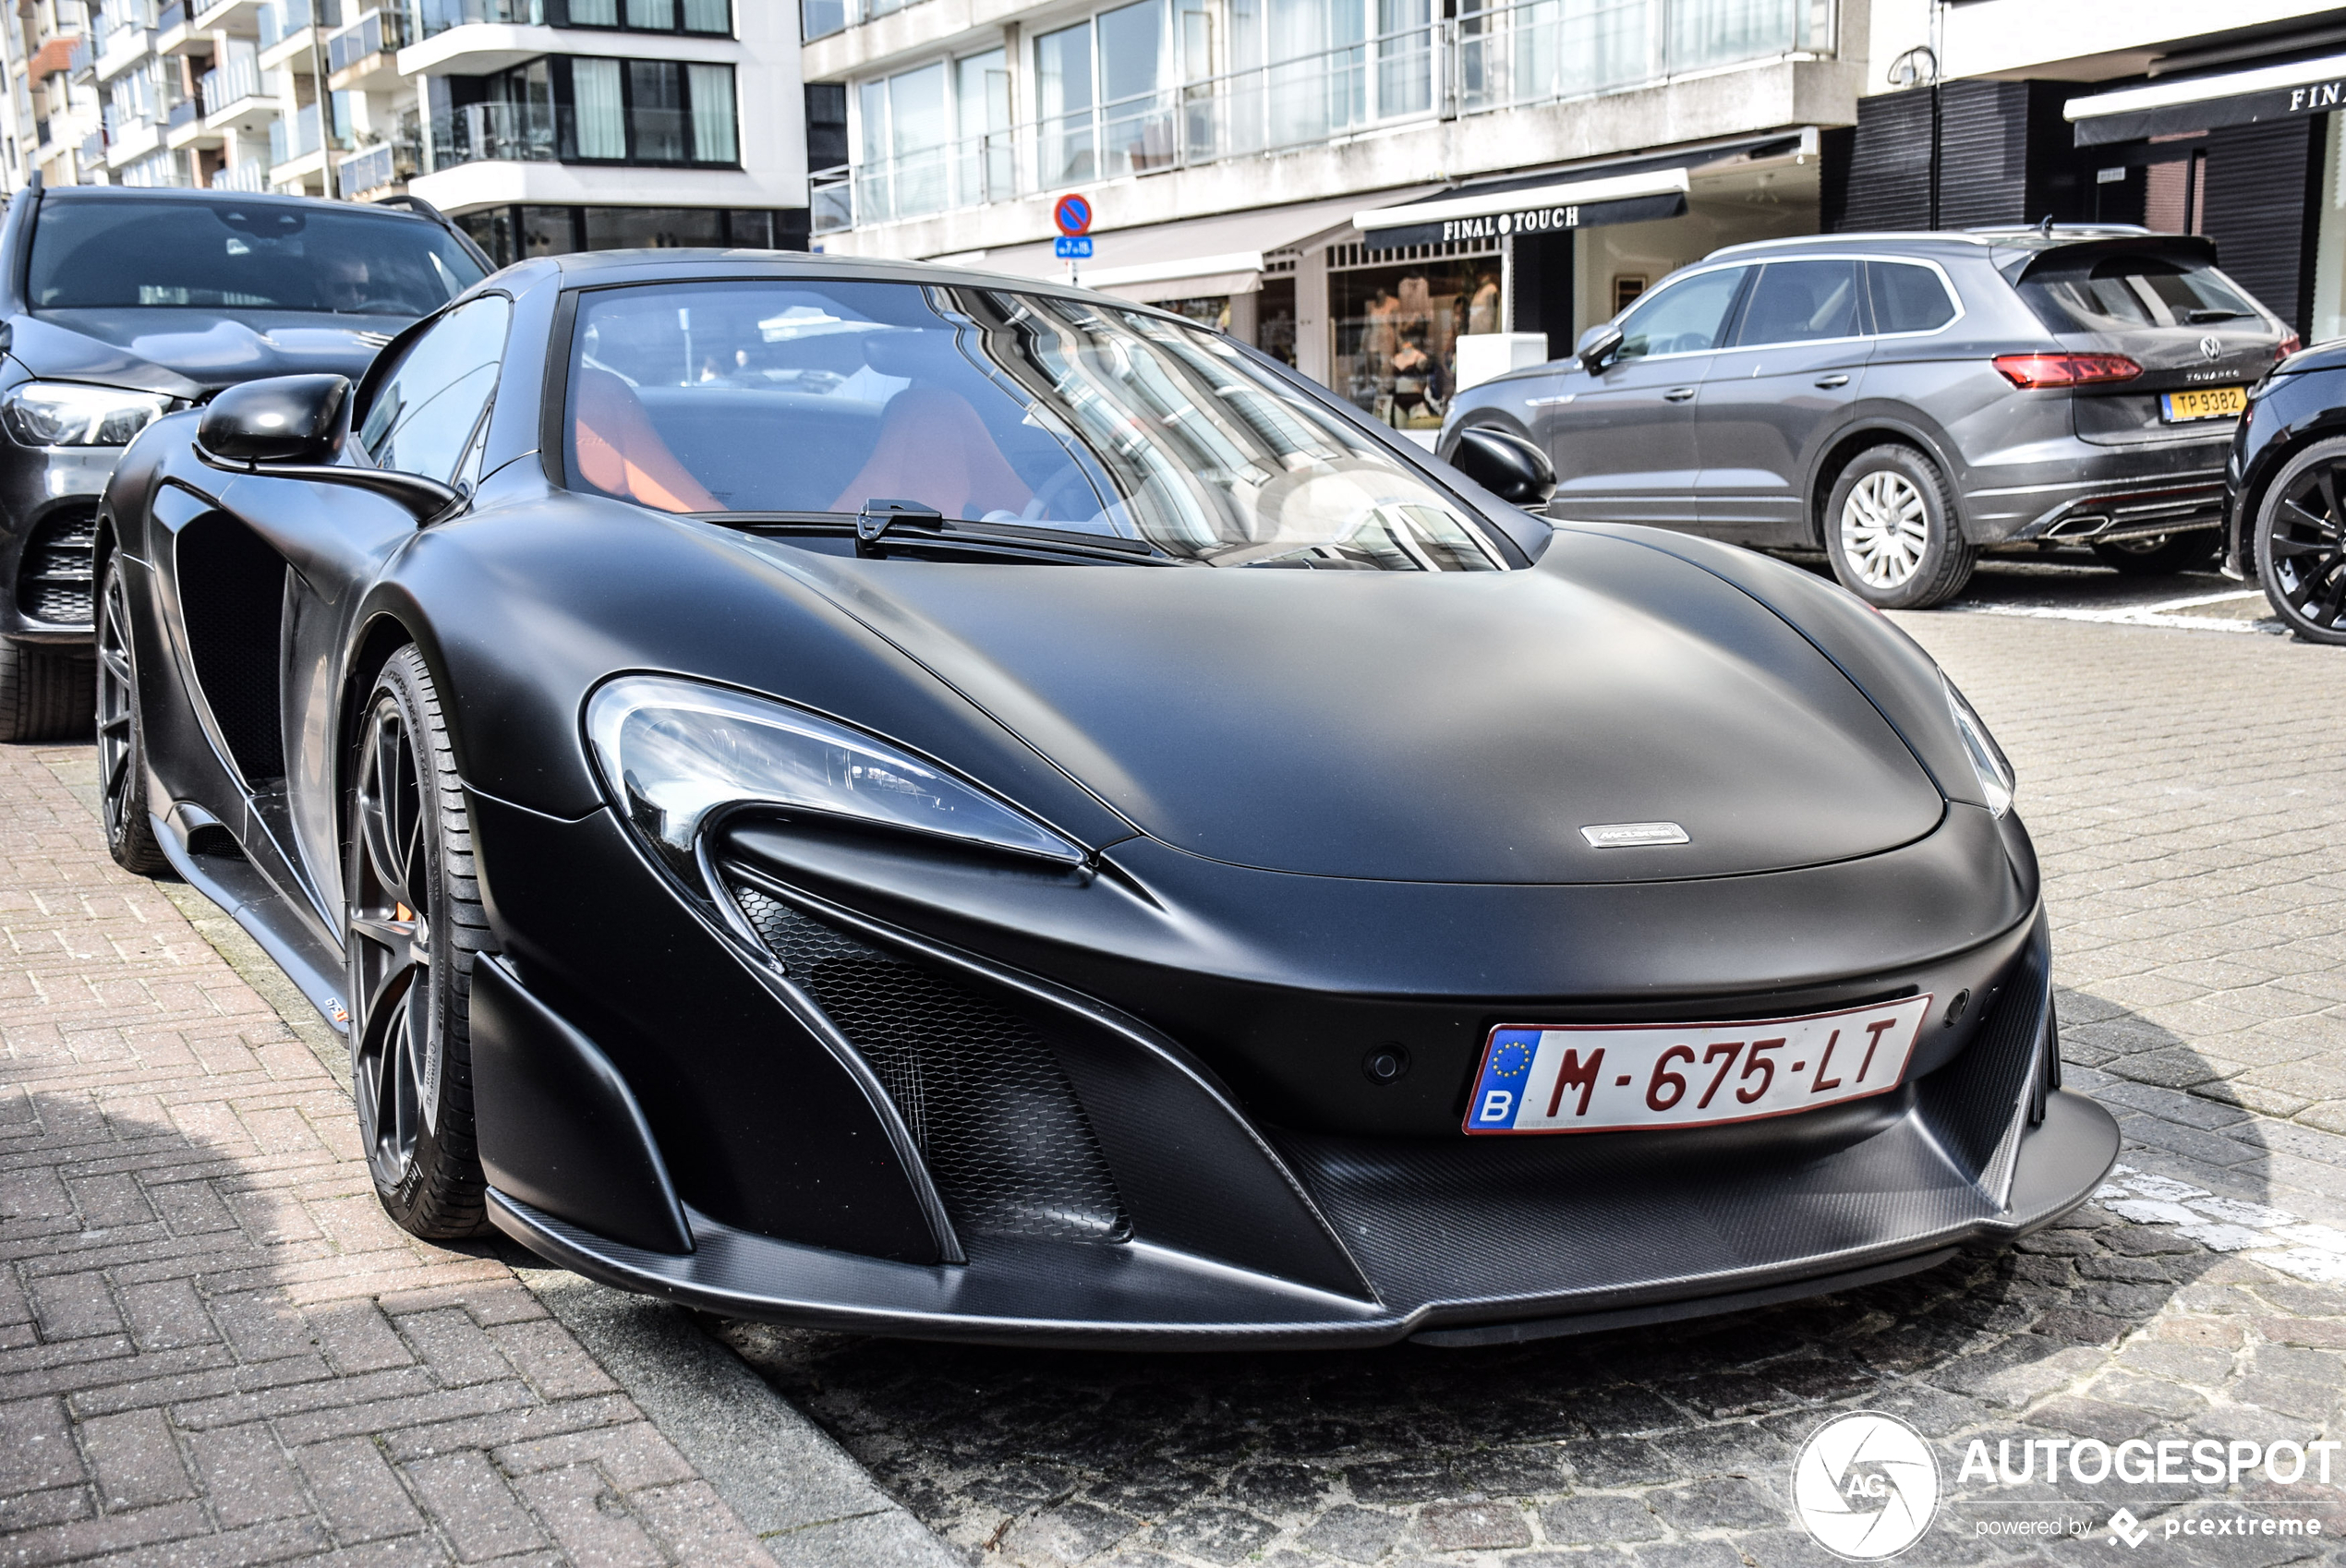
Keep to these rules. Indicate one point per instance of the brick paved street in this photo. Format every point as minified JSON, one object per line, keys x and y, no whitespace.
{"x":2186,"y":793}
{"x":214,"y":1347}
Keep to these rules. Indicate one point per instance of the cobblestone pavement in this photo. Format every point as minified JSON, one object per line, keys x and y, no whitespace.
{"x":2186,"y":794}
{"x":214,"y":1347}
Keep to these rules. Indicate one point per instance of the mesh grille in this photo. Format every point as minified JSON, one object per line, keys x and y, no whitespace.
{"x":986,"y":1100}
{"x":54,"y":577}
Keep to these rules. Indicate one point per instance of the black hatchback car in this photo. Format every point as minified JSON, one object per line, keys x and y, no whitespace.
{"x":1905,"y":401}
{"x":120,"y":305}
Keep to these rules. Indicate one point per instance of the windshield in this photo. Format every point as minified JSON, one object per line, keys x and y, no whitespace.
{"x":986,"y":406}
{"x":2121,"y":292}
{"x":125,"y":253}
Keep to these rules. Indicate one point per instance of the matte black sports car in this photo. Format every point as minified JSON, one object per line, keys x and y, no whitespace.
{"x":881,"y":796}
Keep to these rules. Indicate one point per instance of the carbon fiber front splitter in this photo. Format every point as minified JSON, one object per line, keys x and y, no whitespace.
{"x":1132,"y":1296}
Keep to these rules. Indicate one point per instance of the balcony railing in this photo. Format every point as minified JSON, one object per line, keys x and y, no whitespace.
{"x":187,"y":112}
{"x":377,"y":32}
{"x":371,"y":168}
{"x":171,"y":16}
{"x":281,"y":18}
{"x":250,"y":175}
{"x":82,"y":60}
{"x":293,"y":138}
{"x":1489,"y":57}
{"x":477,"y":133}
{"x":238,"y":76}
{"x":430,"y":16}
{"x":94,"y":147}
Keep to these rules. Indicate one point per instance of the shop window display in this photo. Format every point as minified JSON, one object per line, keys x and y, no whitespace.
{"x":1207,"y":310}
{"x":1397,"y":332}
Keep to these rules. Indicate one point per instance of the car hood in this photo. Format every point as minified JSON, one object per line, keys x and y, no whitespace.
{"x":1418,"y":726}
{"x":194,"y":352}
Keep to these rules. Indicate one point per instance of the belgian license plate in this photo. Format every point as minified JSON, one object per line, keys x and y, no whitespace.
{"x":2202,"y":403}
{"x":1611,"y":1078}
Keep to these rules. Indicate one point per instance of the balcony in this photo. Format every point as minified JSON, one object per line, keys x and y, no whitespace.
{"x":251,"y":174}
{"x":231,"y":92}
{"x":127,"y":144}
{"x":363,"y":57}
{"x":485,"y":133}
{"x":1488,"y":58}
{"x":432,"y":17}
{"x":81,"y":65}
{"x":93,"y":150}
{"x":239,"y":18}
{"x":286,"y":36}
{"x":172,"y":17}
{"x":820,"y":18}
{"x":292,"y":140}
{"x":186,"y":126}
{"x":371,"y":169}
{"x":122,"y":49}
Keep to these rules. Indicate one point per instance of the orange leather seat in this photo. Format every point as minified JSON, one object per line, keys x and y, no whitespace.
{"x":621,"y":455}
{"x":934,"y":449}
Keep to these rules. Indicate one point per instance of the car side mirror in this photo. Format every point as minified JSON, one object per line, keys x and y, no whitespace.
{"x":1596,"y":345}
{"x":1506,"y":464}
{"x":295,"y":428}
{"x":282,"y":419}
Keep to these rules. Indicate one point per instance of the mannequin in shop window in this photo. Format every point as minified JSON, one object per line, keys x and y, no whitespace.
{"x":1414,"y":389}
{"x":1482,"y":310}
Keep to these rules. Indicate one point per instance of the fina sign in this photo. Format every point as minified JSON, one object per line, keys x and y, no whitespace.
{"x":1550,"y":217}
{"x":2321,"y":95}
{"x":1498,"y":225}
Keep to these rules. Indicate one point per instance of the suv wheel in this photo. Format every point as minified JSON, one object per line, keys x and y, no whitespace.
{"x":46,"y":693}
{"x":2161,"y":554}
{"x":2301,"y":542}
{"x":1890,"y":528}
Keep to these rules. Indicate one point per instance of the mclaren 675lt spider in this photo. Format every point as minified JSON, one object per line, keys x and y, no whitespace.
{"x":891,"y":798}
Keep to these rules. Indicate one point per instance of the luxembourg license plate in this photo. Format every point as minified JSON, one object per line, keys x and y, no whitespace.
{"x":1613,"y":1077}
{"x":2202,"y":403}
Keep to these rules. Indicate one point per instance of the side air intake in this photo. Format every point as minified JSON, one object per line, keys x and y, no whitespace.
{"x":1006,"y":1138}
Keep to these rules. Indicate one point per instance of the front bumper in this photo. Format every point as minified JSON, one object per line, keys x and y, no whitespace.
{"x":2078,"y":492}
{"x":1225,"y":1224}
{"x":48,"y":533}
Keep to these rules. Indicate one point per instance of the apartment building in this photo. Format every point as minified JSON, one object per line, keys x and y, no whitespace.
{"x":1343,"y":182}
{"x":543,"y":125}
{"x":2217,"y":120}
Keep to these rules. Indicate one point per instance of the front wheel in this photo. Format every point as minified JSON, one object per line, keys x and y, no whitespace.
{"x":122,"y":738}
{"x":1890,"y":532}
{"x":2162,"y":555}
{"x":413,"y":921}
{"x":2301,"y":542}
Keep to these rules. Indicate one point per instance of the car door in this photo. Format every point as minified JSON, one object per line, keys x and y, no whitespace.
{"x":1624,"y":440}
{"x":1797,"y":362}
{"x":425,"y":418}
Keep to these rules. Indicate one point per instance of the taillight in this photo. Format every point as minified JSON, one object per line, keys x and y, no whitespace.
{"x":2289,"y":346}
{"x":2065,"y":369}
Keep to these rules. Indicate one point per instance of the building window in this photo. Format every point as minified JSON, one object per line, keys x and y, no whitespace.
{"x":710,"y":16}
{"x":645,"y":112}
{"x":935,"y":137}
{"x":514,"y":233}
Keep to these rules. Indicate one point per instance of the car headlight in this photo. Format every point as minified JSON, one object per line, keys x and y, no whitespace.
{"x":1988,"y":759}
{"x":672,"y":752}
{"x":61,"y":414}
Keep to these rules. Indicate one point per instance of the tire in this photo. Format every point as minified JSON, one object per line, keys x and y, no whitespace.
{"x":46,"y":693}
{"x":2301,"y":543}
{"x":414,"y":922}
{"x":1890,"y":532}
{"x":122,"y":733}
{"x":2162,"y":555}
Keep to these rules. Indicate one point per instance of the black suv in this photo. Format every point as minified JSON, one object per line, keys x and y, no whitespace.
{"x":118,"y":305}
{"x":1904,"y":401}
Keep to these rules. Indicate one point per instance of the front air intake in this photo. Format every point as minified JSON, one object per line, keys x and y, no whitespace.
{"x":993,"y":1114}
{"x":53,"y":574}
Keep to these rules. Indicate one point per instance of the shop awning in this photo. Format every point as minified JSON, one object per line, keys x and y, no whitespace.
{"x":1617,"y":190}
{"x":1194,"y":258}
{"x":2198,"y":104}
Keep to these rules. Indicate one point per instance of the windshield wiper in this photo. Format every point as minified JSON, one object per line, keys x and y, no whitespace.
{"x":2211,"y":313}
{"x":885,"y":528}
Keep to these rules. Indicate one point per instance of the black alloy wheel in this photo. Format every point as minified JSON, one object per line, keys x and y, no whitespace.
{"x":2301,"y":543}
{"x":122,"y":740}
{"x":413,"y":921}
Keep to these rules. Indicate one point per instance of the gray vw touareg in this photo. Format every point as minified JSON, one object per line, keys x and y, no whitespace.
{"x":1904,"y":401}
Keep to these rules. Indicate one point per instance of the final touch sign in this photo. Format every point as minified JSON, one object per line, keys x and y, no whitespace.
{"x":1528,"y":220}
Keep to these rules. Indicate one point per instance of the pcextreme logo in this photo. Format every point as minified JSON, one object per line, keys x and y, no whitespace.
{"x":1865,"y":1486}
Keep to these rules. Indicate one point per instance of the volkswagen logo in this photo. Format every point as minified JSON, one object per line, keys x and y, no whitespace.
{"x":2212,"y":348}
{"x":1865,"y":1486}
